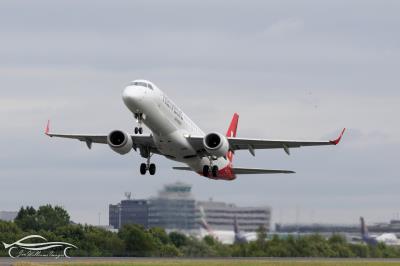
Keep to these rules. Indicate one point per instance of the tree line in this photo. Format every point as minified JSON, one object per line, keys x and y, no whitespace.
{"x":54,"y":224}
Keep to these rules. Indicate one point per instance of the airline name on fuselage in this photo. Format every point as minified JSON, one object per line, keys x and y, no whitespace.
{"x":172,"y":107}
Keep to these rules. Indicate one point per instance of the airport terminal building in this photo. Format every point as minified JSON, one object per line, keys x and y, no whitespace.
{"x":221,"y":215}
{"x":175,"y":208}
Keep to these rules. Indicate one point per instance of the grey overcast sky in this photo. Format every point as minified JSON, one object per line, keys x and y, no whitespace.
{"x":291,"y":69}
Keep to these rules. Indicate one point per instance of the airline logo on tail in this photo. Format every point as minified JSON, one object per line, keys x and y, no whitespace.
{"x":232,"y":133}
{"x":365,"y":235}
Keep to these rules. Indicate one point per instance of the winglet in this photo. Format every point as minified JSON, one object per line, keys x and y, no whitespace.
{"x":47,"y":130}
{"x":336,"y":141}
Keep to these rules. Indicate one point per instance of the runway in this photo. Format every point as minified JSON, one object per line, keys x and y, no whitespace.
{"x":198,"y":261}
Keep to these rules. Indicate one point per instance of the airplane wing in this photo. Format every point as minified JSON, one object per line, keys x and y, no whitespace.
{"x":138,"y":140}
{"x":244,"y":171}
{"x":255,"y":144}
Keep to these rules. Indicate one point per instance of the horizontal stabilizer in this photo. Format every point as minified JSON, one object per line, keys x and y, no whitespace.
{"x":245,"y":171}
{"x":252,"y":171}
{"x":182,"y":168}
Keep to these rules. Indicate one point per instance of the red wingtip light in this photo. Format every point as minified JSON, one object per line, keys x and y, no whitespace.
{"x":47,"y":130}
{"x":336,"y":141}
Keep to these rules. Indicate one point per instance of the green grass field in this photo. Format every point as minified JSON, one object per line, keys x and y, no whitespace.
{"x":208,"y":262}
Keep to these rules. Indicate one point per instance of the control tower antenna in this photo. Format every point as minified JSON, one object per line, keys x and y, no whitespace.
{"x":128,"y":195}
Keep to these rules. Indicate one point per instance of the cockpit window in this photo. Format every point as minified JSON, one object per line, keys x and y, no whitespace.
{"x":143,"y":84}
{"x":137,"y":83}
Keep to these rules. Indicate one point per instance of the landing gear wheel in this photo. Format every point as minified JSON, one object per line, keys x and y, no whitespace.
{"x":143,"y":168}
{"x":214,"y":171}
{"x":152,"y":169}
{"x":206,"y":170}
{"x":139,"y":118}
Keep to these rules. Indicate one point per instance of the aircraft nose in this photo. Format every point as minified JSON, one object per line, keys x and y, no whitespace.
{"x":132,"y":95}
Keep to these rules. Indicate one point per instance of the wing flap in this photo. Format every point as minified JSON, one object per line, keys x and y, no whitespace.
{"x":255,"y":144}
{"x":82,"y":137}
{"x":244,"y":144}
{"x":183,"y":168}
{"x":252,"y":171}
{"x":138,"y":140}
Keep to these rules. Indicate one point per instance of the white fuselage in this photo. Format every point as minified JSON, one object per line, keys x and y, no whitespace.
{"x":388,"y":239}
{"x":229,"y":237}
{"x":170,"y":126}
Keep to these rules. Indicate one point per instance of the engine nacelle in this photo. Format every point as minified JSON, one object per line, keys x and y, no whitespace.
{"x":120,"y":142}
{"x":216,"y":144}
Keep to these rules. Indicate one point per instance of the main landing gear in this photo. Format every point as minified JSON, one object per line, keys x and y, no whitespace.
{"x":207,"y":172}
{"x":151,"y":167}
{"x":139,"y":118}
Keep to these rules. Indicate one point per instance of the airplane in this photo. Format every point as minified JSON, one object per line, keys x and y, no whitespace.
{"x":386,"y":238}
{"x":240,"y":236}
{"x":175,"y":136}
{"x":226,"y":236}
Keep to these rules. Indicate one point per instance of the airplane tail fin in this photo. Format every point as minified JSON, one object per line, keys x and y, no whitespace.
{"x":232,"y":133}
{"x":364,"y":229}
{"x":203,"y":222}
{"x":235,"y":225}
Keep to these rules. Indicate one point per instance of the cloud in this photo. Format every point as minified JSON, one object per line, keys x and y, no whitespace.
{"x":285,"y":26}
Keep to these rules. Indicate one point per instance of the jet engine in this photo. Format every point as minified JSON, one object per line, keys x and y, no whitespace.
{"x":120,"y":142}
{"x":216,"y":144}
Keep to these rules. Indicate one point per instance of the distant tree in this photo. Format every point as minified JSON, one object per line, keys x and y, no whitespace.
{"x":360,"y":250}
{"x":50,"y":218}
{"x":340,"y":247}
{"x":160,"y":235}
{"x":26,"y":219}
{"x":179,"y":240}
{"x":9,"y":233}
{"x":261,"y":237}
{"x":138,"y":241}
{"x":169,"y":250}
{"x":197,"y":248}
{"x":219,"y":248}
{"x":383,"y":251}
{"x":275,"y":247}
{"x":209,"y":240}
{"x":308,"y":246}
{"x":45,"y":218}
{"x":261,"y":233}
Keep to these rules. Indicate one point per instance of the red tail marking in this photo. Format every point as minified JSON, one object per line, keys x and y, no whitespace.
{"x":232,"y":133}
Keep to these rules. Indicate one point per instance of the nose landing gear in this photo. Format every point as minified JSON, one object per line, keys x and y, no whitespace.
{"x":139,"y":119}
{"x":138,"y":130}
